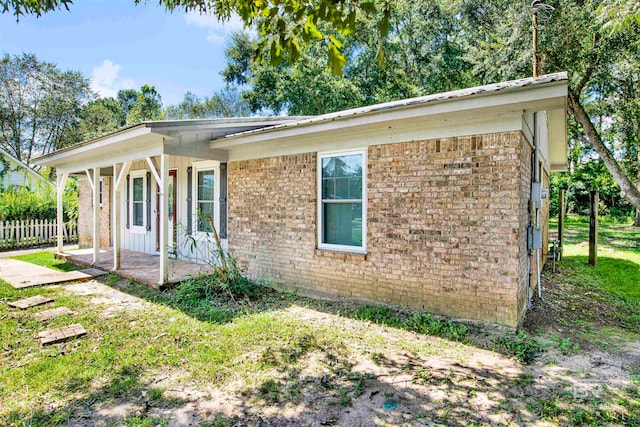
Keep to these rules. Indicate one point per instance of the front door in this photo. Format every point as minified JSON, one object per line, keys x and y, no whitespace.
{"x":173,"y":185}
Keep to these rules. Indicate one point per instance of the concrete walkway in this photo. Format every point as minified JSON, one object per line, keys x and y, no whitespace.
{"x":20,"y":274}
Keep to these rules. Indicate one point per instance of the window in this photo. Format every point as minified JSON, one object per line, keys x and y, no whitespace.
{"x":205,"y":200}
{"x":205,"y":196}
{"x":342,"y":209}
{"x":138,"y":201}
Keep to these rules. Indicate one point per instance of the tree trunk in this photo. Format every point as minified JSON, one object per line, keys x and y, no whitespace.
{"x":636,"y":223}
{"x":627,"y":189}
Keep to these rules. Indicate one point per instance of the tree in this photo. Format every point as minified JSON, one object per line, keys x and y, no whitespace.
{"x":39,"y":105}
{"x":147,"y":106}
{"x":127,"y":99}
{"x":224,"y":103}
{"x":576,"y":37}
{"x":99,"y":117}
{"x":290,"y":23}
{"x":422,"y":53}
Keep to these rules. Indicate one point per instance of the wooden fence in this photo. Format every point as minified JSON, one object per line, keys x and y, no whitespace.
{"x":26,"y":234}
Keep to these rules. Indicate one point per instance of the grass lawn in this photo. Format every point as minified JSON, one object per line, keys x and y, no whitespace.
{"x":156,"y":358}
{"x":593,"y":305}
{"x":47,"y":259}
{"x":617,"y":271}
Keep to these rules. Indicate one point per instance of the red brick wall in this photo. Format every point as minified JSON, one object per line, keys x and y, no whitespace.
{"x":85,"y":214}
{"x":444,"y":226}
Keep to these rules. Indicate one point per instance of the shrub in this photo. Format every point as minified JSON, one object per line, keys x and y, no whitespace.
{"x":225,"y":277}
{"x":23,"y":204}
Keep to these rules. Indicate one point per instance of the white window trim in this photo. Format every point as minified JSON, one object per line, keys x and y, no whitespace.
{"x":137,"y":229}
{"x":199,"y":167}
{"x":342,"y":248}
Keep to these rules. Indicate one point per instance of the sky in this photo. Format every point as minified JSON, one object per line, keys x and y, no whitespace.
{"x":120,"y":45}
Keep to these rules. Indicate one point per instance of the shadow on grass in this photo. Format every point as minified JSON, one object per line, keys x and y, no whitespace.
{"x":590,"y":305}
{"x":223,"y":308}
{"x":413,"y":391}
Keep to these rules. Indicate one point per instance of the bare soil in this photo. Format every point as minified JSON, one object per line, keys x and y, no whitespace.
{"x":387,"y":376}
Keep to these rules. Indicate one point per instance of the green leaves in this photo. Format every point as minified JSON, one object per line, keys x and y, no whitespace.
{"x":336,"y":59}
{"x":32,"y":7}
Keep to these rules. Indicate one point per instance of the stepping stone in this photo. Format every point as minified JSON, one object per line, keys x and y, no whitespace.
{"x":61,"y":334}
{"x":30,"y":302}
{"x":53,"y":313}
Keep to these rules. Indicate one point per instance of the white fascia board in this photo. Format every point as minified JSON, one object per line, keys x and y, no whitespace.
{"x":525,"y":99}
{"x":415,"y":129}
{"x":58,"y":157}
{"x":102,"y":160}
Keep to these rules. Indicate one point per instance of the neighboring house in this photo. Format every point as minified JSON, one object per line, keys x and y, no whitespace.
{"x":14,"y":173}
{"x":425,"y":203}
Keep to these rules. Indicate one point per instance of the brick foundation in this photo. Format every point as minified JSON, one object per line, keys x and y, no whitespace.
{"x":445,"y":226}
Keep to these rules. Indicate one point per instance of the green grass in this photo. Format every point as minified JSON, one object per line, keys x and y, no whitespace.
{"x":264,"y":342}
{"x":617,"y":271}
{"x":47,"y":259}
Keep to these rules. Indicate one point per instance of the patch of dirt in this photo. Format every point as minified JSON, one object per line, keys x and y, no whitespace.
{"x":570,"y":308}
{"x":108,"y":300}
{"x":379,"y":375}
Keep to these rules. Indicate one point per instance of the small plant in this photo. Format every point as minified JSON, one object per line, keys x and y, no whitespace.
{"x":225,"y":277}
{"x":271,"y":391}
{"x":427,"y":324}
{"x":524,"y":380}
{"x":379,"y":315}
{"x":567,"y":348}
{"x":544,"y":408}
{"x":423,"y":323}
{"x":423,"y":374}
{"x":521,"y":347}
{"x":345,"y":398}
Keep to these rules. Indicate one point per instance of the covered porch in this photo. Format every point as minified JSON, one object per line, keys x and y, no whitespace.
{"x":137,"y":266}
{"x":145,"y":164}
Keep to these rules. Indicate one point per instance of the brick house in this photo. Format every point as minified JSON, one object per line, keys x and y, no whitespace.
{"x":436,"y":203}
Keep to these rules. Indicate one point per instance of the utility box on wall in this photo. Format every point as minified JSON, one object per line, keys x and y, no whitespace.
{"x":534,"y":238}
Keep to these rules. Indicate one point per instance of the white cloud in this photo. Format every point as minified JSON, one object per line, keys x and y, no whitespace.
{"x":106,"y":79}
{"x":217,"y":29}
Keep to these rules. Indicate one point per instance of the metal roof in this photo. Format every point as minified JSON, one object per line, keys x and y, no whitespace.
{"x":168,"y":125}
{"x":477,"y":91}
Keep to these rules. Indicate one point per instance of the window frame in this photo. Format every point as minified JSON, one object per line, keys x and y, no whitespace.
{"x":320,"y":202}
{"x":138,"y":229}
{"x":208,"y":165}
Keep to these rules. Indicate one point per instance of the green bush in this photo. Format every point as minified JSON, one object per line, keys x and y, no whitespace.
{"x":23,"y":204}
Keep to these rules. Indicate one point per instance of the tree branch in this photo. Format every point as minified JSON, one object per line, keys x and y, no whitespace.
{"x":627,"y":189}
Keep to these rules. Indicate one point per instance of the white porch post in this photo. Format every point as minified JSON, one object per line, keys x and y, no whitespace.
{"x":96,"y":215}
{"x":164,"y":218}
{"x":62,"y":182}
{"x":116,"y":221}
